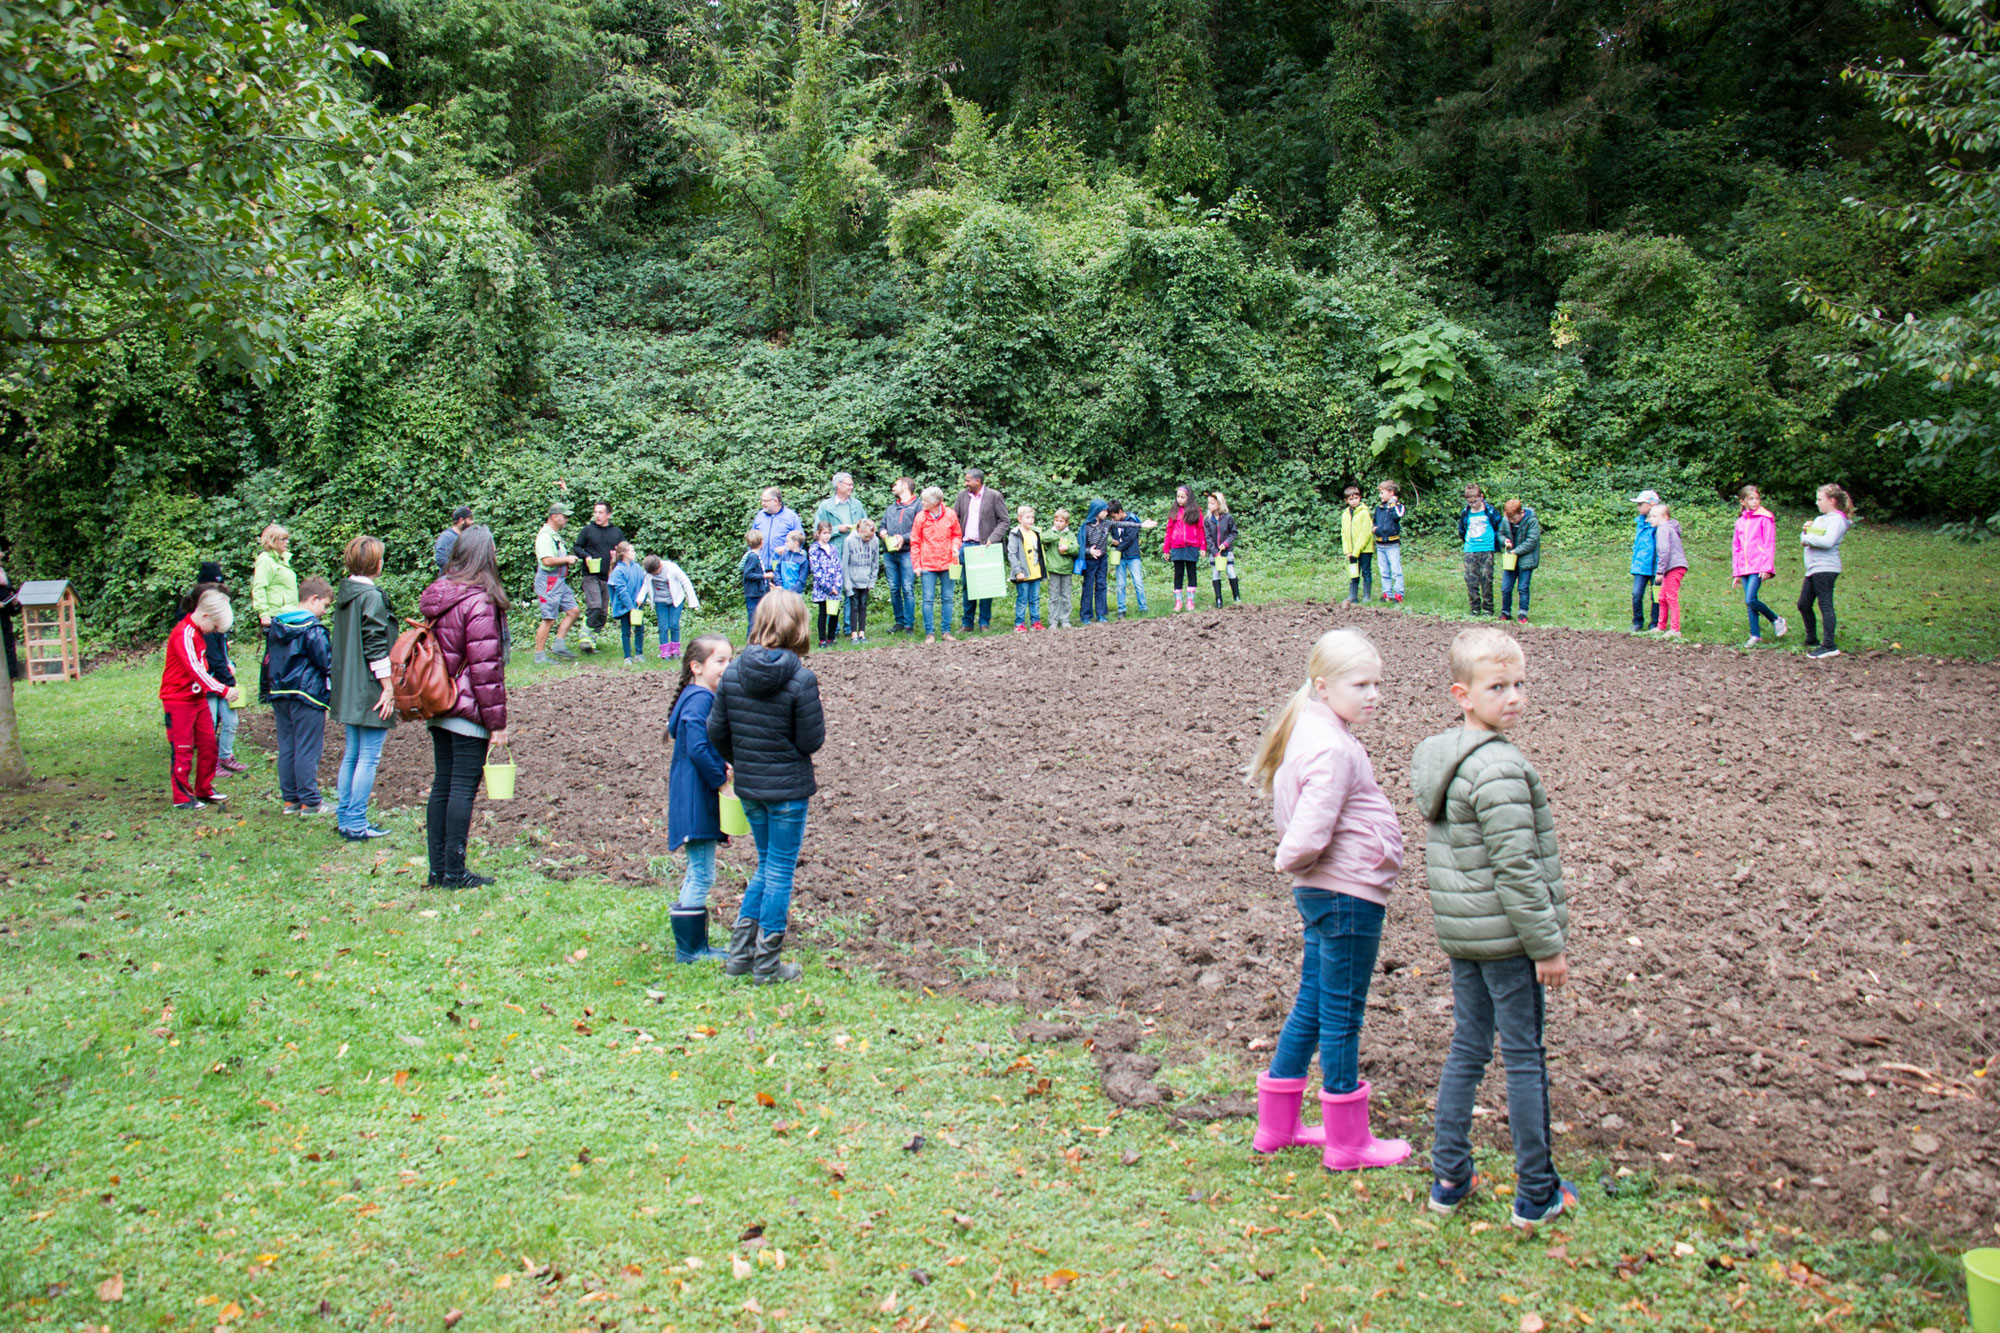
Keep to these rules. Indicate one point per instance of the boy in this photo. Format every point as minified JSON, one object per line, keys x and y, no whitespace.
{"x":300,"y":661}
{"x":1357,"y":539}
{"x":1062,"y":568}
{"x":756,"y":578}
{"x":1645,"y":550}
{"x":1026,"y":567}
{"x":1125,"y":540}
{"x":792,"y":569}
{"x":1389,"y":512}
{"x":1096,"y":543}
{"x":1501,"y":914}
{"x":1479,"y":535}
{"x":185,"y":683}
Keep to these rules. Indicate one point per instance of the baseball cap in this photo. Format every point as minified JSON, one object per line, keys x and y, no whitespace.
{"x":1646,"y":498}
{"x":560,"y":508}
{"x":210,"y":572}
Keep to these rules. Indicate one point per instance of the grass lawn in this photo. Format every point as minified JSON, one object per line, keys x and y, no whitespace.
{"x":249,"y":1072}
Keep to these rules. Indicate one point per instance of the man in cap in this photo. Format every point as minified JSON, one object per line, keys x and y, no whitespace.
{"x":461,"y":519}
{"x":552,"y":590}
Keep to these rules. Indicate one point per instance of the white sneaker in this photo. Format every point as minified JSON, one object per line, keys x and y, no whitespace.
{"x":1780,"y":628}
{"x":1752,"y":642}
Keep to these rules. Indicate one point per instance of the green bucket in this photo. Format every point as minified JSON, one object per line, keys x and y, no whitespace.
{"x":500,"y":777}
{"x":734,"y":823}
{"x":1982,"y":1289}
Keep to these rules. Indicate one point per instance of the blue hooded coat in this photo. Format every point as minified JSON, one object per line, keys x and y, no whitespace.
{"x":696,"y":774}
{"x":1644,"y":547}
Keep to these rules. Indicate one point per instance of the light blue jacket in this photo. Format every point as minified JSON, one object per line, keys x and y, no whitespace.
{"x":1645,"y":547}
{"x":627,"y":581}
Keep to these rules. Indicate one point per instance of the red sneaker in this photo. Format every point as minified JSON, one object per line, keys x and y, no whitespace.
{"x":1020,"y":629}
{"x":1038,"y":624}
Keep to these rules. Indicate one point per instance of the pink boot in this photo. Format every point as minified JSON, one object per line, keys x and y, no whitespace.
{"x":1278,"y":1102}
{"x":1349,"y":1145}
{"x":664,"y":654}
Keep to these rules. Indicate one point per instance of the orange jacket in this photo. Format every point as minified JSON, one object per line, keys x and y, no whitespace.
{"x":934,"y":540}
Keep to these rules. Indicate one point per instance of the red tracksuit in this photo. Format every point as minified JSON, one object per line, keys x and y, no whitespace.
{"x":184,"y":687}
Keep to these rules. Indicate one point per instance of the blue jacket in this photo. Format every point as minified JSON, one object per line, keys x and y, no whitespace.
{"x":1479,"y":529}
{"x":299,"y":657}
{"x":794,"y":572}
{"x":1125,"y":537}
{"x":626,"y":581}
{"x":1389,"y":522}
{"x":1644,"y":549}
{"x":752,"y":570}
{"x":697,"y":771}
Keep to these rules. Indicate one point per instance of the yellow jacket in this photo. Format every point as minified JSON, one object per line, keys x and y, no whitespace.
{"x":1357,"y":531}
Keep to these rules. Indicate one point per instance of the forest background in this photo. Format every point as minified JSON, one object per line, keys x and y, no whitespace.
{"x":348,"y":274}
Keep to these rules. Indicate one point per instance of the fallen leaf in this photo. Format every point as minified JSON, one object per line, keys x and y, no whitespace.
{"x":452,"y":1316}
{"x":916,"y":1143}
{"x":1130,"y":1157}
{"x":888,"y":1305}
{"x":1059,"y":1279}
{"x":963,"y":1219}
{"x":228,"y":1312}
{"x":112,"y":1288}
{"x":740,"y":1267}
{"x":504,"y":1281}
{"x":1532,"y":1323}
{"x":402,"y":1077}
{"x":766,"y":1099}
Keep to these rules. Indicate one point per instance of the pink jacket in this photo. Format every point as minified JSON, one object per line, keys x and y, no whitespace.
{"x":1184,"y":532}
{"x":1754,"y":549}
{"x":1336,"y":830}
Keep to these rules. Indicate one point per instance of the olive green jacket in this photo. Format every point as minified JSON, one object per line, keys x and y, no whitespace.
{"x":1496,"y":881}
{"x":364,"y":630}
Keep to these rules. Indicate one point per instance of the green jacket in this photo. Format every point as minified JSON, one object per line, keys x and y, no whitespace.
{"x":1496,"y":881}
{"x":836,"y":512}
{"x":1526,"y":534}
{"x":273,"y":585}
{"x":364,"y":629}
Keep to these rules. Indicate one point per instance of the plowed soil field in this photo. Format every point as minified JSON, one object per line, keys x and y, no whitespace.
{"x":1784,"y":874}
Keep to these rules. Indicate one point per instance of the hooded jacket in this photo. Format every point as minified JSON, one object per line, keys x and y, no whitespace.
{"x":1185,"y":538}
{"x":860,"y":561}
{"x":1753,"y":548}
{"x":1357,"y":531}
{"x":697,"y":772}
{"x":1668,"y":552}
{"x":298,"y":658}
{"x":1096,"y":533}
{"x":934,"y":540}
{"x":364,"y":629}
{"x":1821,"y":540}
{"x":472,"y":635}
{"x":1645,"y":547}
{"x":1490,"y":853}
{"x":1526,"y":534}
{"x":827,"y":572}
{"x":767,"y":722}
{"x":627,"y":582}
{"x":1024,"y":556}
{"x":1336,"y":830}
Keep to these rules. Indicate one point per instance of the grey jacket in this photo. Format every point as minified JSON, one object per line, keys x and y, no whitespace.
{"x":860,"y":561}
{"x":1496,"y":881}
{"x":1822,"y":542}
{"x":1669,"y":553}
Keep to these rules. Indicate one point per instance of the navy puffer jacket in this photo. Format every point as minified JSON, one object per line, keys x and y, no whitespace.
{"x":767,"y":722}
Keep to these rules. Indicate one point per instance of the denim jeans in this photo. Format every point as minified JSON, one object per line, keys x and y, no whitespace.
{"x":779,"y":828}
{"x":1501,"y":996}
{"x":1093,"y":605}
{"x":1028,"y":602}
{"x":1511,"y":579}
{"x":301,"y":738}
{"x":359,"y":759}
{"x":750,"y":613}
{"x":937,"y":584}
{"x":1754,"y":605}
{"x":456,"y":764}
{"x":1342,"y":934}
{"x":670,"y":624}
{"x":700,"y":877}
{"x":1391,"y":557}
{"x":224,"y":717}
{"x":984,"y":605}
{"x":628,"y":632}
{"x":1131,"y":571}
{"x":1641,"y":618}
{"x":1363,"y":586}
{"x":901,"y":574}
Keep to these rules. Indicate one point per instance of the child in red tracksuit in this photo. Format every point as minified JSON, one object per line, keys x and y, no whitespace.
{"x":185,"y":685}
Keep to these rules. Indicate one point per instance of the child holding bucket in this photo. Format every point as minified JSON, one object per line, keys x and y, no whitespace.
{"x":694,"y":779}
{"x":1339,"y":840}
{"x":828,"y":580}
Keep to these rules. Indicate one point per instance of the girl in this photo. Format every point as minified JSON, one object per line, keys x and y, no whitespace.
{"x":694,"y":817}
{"x":1753,"y":557}
{"x":467,"y":607}
{"x":767,"y":723}
{"x":1220,"y":530}
{"x":628,"y":589}
{"x":672,"y":594}
{"x":1821,"y":539}
{"x":1339,"y":840}
{"x":1183,"y":545}
{"x":860,"y":563}
{"x":794,"y":571}
{"x":185,"y":685}
{"x":827,"y":579}
{"x":1670,"y":559}
{"x":363,"y":703}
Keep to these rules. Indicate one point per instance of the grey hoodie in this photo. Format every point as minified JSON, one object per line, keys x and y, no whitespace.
{"x":860,"y":561}
{"x":1495,"y":878}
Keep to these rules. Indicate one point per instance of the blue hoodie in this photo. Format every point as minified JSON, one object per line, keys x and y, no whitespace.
{"x":299,"y":656}
{"x":1645,"y":548}
{"x":626,"y":581}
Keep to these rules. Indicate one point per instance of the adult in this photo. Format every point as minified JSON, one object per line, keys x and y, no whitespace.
{"x":1521,"y":534}
{"x":10,"y":606}
{"x":843,"y":513}
{"x":983,"y":520}
{"x":553,"y":596}
{"x":934,"y":549}
{"x":599,"y":539}
{"x":273,"y":585}
{"x":897,"y":521}
{"x":467,"y":607}
{"x":362,"y":703}
{"x":461,"y":519}
{"x":774,"y":521}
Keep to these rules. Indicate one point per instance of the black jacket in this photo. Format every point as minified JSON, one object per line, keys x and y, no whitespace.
{"x":767,"y":722}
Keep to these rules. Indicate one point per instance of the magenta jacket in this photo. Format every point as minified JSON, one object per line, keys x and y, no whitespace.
{"x":1754,"y":548}
{"x":472,"y":635}
{"x":1336,"y":830}
{"x":1185,"y":532}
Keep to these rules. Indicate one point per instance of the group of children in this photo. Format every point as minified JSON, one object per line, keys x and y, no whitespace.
{"x":657,"y":582}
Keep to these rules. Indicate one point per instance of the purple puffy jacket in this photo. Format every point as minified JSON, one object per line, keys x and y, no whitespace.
{"x":472,"y":634}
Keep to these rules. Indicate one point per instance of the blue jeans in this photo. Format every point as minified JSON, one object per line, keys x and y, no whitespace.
{"x":627,"y":632}
{"x":901,"y":574}
{"x":1342,"y":935}
{"x":1754,"y":605}
{"x":1510,"y":579}
{"x":1094,"y":605}
{"x":1391,"y":559}
{"x":670,"y":623}
{"x":984,"y":605}
{"x":780,"y":829}
{"x":358,"y":762}
{"x":938,"y":584}
{"x":224,"y":718}
{"x":750,"y":612}
{"x":700,"y":877}
{"x":1640,"y":618}
{"x":1501,"y":996}
{"x":1028,"y":598}
{"x":1134,"y":572}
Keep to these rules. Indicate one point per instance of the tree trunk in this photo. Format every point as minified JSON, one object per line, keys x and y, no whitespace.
{"x":13,"y":761}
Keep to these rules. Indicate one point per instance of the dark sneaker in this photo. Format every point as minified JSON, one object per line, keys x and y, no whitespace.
{"x":365,"y":834}
{"x":1821,"y":654}
{"x":1528,"y":1215}
{"x":190,"y":806}
{"x":1445,"y":1198}
{"x":312,"y":809}
{"x":465,"y":880}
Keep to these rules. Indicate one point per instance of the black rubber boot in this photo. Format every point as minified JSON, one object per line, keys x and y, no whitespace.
{"x":1234,"y":594}
{"x":742,"y":946}
{"x":1218,"y":594}
{"x":769,"y":968}
{"x":691,"y":937}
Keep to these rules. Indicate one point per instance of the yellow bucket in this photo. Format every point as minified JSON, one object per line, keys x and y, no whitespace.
{"x":1510,"y":561}
{"x":1354,"y":569}
{"x":500,"y":778}
{"x":1982,"y":1289}
{"x":734,"y":823}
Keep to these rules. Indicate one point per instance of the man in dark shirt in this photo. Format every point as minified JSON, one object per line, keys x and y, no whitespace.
{"x":600,"y":537}
{"x":461,"y":519}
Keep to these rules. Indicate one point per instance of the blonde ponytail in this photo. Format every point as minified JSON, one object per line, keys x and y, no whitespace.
{"x":1336,"y":653}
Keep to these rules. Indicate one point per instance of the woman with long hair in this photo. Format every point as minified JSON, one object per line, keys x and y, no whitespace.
{"x":467,"y":606}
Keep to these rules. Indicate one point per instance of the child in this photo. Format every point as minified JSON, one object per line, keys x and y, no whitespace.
{"x":791,"y":570}
{"x":1479,"y":538}
{"x":671,"y":592}
{"x":1183,"y":545}
{"x":1090,"y":562}
{"x":299,"y":659}
{"x":1821,"y":539}
{"x":1024,"y":566}
{"x":1644,"y":554}
{"x":1062,"y":569}
{"x":1389,"y":513}
{"x":223,"y":668}
{"x":756,"y":578}
{"x":696,"y":774}
{"x":767,"y":723}
{"x":826,"y":583}
{"x":1339,"y":841}
{"x":1753,"y":557}
{"x":1521,"y":535}
{"x":1501,"y":914}
{"x":1124,"y":543}
{"x":860,"y":562}
{"x":1357,"y":540}
{"x":934,"y":539}
{"x":1220,"y":529}
{"x":1670,"y":559}
{"x":185,"y":684}
{"x":629,"y":590}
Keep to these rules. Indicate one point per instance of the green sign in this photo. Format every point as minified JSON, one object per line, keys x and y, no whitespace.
{"x":985,"y":572}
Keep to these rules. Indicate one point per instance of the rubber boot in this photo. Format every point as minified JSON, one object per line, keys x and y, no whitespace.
{"x":742,"y":945}
{"x":691,"y":936}
{"x":770,"y":968}
{"x":1218,"y":594}
{"x":664,"y":654}
{"x":1349,"y":1145}
{"x":1234,"y":594}
{"x":1278,"y":1102}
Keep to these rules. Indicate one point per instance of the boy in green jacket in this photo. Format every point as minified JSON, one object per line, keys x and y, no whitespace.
{"x":1501,"y":914}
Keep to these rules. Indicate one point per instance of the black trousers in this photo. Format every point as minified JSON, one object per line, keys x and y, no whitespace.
{"x":1818,"y":591}
{"x":1186,"y":570}
{"x":857,"y":610}
{"x":457,"y":762}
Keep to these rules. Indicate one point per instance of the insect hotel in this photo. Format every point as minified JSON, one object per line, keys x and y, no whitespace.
{"x":48,"y":645}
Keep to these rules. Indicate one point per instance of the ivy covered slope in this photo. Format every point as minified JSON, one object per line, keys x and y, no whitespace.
{"x":668,"y":252}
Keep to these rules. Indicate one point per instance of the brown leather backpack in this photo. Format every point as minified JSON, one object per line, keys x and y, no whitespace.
{"x":423,"y":688}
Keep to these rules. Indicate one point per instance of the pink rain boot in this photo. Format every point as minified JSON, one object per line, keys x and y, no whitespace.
{"x":664,"y":654}
{"x":1349,"y":1145}
{"x":1278,"y":1102}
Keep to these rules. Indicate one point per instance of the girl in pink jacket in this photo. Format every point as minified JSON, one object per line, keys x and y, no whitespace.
{"x":1339,"y":840}
{"x":1753,"y":557}
{"x":1184,"y":542}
